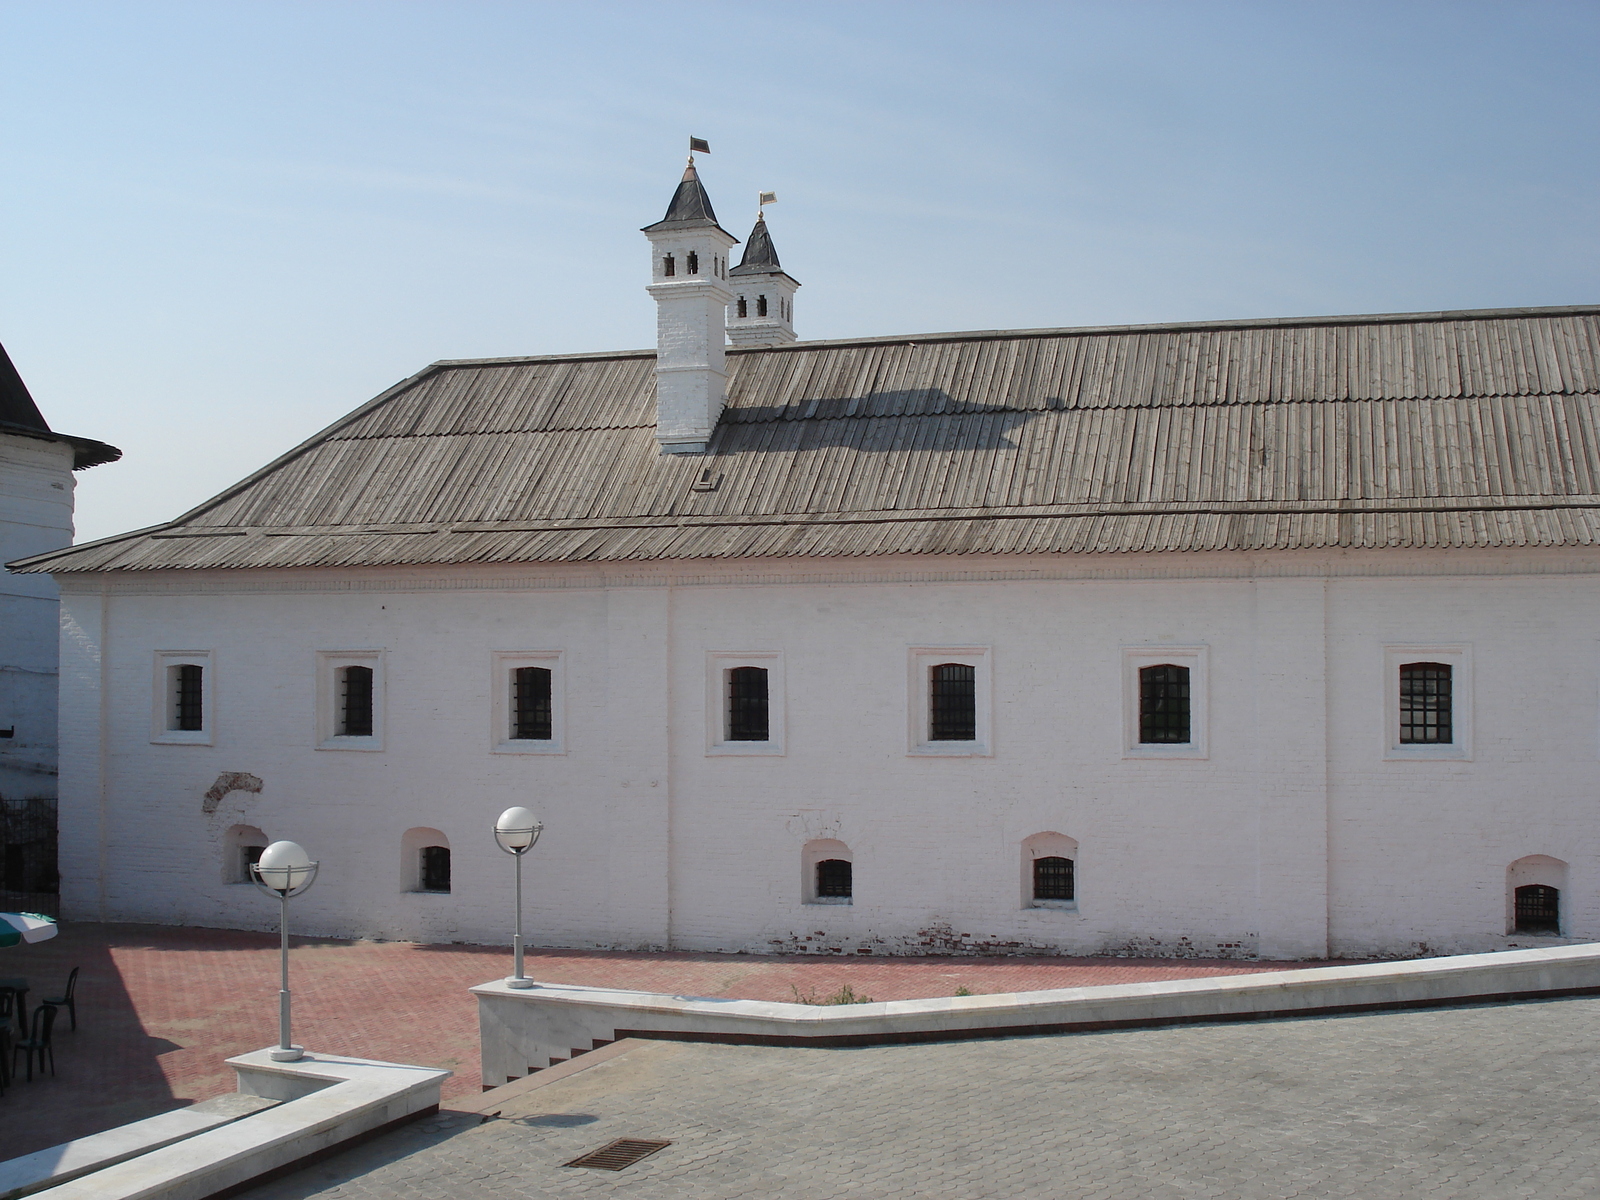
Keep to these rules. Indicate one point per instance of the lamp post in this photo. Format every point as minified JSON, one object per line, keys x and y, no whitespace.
{"x":516,"y":831}
{"x":284,"y":870}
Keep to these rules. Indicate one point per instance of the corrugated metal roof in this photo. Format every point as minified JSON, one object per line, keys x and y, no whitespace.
{"x":1462,"y":429}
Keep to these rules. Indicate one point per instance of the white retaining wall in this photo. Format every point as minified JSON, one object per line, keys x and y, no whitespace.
{"x":1297,"y":834}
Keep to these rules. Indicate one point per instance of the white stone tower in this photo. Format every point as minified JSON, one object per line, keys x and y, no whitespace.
{"x":689,"y":282}
{"x":761,"y":312}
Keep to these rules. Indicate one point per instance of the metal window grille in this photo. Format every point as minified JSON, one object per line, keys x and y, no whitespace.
{"x":833,"y":877}
{"x":1538,"y":909}
{"x":953,"y":703}
{"x":249,"y":856}
{"x":1164,"y":704}
{"x":1425,"y":704}
{"x":436,"y":868}
{"x":189,"y":684}
{"x":355,"y":701}
{"x":530,"y":704}
{"x":747,"y":704}
{"x":1052,"y":879}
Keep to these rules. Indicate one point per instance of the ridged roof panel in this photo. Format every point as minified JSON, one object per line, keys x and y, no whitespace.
{"x":1460,"y":429}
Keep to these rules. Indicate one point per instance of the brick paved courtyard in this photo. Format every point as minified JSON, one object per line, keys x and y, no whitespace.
{"x":161,"y":1007}
{"x":1483,"y":1103}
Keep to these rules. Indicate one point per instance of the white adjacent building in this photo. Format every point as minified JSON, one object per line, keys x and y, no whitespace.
{"x":1265,"y":637}
{"x":36,"y":488}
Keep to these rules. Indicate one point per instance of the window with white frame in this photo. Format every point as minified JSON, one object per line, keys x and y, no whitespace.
{"x":528,"y":708}
{"x":1050,"y":871}
{"x":827,"y":872}
{"x":948,"y":701}
{"x":744,"y":702}
{"x":350,"y":700}
{"x":1164,"y":701}
{"x":1427,"y":708}
{"x":182,"y":688}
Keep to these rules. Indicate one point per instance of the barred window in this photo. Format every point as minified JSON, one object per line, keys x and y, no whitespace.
{"x":436,"y":868}
{"x":530,"y":704}
{"x":953,"y":703}
{"x":249,"y":856}
{"x":833,"y":877}
{"x":747,"y":704}
{"x":355,"y":701}
{"x":188,"y":698}
{"x":1052,"y":878}
{"x":1164,"y":704}
{"x":1425,"y":704}
{"x":1538,"y":909}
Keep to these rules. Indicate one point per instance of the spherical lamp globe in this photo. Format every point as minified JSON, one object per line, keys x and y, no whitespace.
{"x":517,"y":829}
{"x":284,"y":866}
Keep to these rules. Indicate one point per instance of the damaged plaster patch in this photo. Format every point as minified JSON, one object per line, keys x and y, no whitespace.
{"x":229,"y":781}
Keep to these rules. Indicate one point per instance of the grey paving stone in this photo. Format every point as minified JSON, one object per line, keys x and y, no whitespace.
{"x":1468,"y":1103}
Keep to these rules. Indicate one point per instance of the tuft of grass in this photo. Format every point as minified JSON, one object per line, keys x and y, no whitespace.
{"x":845,"y":995}
{"x":963,"y":990}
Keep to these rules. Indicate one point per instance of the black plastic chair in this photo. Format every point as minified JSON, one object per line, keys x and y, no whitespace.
{"x":13,"y":1002}
{"x":66,"y":999}
{"x":38,"y":1042}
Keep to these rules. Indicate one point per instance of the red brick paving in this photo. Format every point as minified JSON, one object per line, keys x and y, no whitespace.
{"x":161,"y":1007}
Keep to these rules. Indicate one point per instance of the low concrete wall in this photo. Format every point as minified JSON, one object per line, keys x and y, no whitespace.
{"x":527,"y":1030}
{"x":325,"y":1100}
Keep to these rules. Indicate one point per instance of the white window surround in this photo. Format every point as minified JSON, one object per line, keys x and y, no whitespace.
{"x":329,"y":663}
{"x":718,"y":664}
{"x":1197,"y":659}
{"x":502,"y":665}
{"x":920,"y":660}
{"x":164,"y":695}
{"x":1458,"y":656}
{"x":820,"y":850}
{"x":1048,"y":845}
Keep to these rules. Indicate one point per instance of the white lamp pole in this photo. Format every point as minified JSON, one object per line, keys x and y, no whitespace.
{"x":516,"y":831}
{"x":284,"y":870}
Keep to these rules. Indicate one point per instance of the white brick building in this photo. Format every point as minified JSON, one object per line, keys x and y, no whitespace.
{"x":1258,"y":637}
{"x":36,"y":488}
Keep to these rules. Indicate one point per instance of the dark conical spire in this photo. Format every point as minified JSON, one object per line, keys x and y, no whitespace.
{"x":760,"y":257}
{"x":690,"y":205}
{"x":16,"y":405}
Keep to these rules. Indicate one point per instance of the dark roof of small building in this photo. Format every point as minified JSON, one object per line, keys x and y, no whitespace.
{"x":1459,"y":429}
{"x":21,"y":417}
{"x":760,"y":257}
{"x":690,"y":207}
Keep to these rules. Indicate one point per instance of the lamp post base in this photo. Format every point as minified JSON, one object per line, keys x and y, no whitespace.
{"x":519,"y":983}
{"x":292,"y":1054}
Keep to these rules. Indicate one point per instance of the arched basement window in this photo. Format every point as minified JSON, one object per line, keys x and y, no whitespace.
{"x":834,"y":878}
{"x":436,"y":868}
{"x":1425,"y":704}
{"x":1052,"y":879}
{"x":1538,"y":909}
{"x":747,"y":704}
{"x":1164,"y":703}
{"x":355,"y":701}
{"x":953,"y":703}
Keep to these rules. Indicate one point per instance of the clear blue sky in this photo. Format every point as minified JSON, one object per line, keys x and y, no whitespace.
{"x":222,"y":225}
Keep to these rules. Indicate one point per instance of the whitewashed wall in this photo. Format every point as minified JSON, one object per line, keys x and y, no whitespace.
{"x":35,"y":516}
{"x":1293,"y":837}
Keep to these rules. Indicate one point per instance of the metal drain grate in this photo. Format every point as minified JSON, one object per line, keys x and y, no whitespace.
{"x":623,"y":1152}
